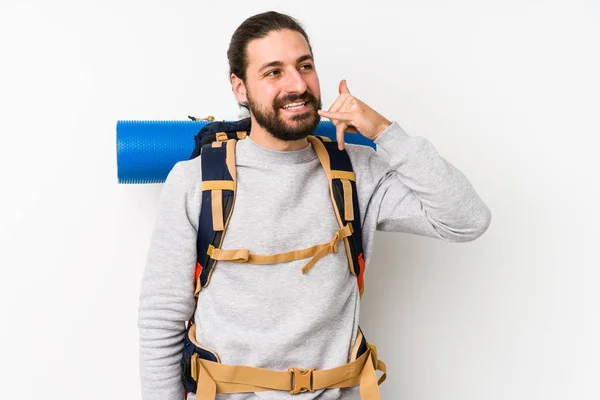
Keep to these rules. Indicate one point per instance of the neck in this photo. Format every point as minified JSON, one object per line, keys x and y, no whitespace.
{"x":263,"y":138}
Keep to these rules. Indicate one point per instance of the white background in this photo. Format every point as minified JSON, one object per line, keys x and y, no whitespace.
{"x":507,"y":91}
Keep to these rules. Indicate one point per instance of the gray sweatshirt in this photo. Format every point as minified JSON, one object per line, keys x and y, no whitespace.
{"x":273,"y":316}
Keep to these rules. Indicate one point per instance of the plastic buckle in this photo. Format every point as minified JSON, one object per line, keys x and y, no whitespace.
{"x":302,"y":380}
{"x":222,"y":137}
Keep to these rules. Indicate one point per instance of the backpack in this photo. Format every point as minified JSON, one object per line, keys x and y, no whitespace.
{"x":216,"y":142}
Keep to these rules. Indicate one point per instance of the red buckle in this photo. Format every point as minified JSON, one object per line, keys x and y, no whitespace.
{"x":302,"y":380}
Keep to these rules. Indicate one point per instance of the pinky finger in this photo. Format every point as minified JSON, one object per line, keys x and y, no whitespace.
{"x":340,"y":129}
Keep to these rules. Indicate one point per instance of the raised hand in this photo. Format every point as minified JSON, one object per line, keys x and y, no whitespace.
{"x":349,"y":114}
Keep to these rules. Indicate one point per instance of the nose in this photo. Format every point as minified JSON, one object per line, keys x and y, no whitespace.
{"x":295,"y":82}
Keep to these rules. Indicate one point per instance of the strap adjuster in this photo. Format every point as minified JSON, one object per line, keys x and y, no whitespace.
{"x":221,"y":137}
{"x":302,"y":380}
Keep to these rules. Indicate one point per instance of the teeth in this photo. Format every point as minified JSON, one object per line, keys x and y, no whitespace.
{"x":294,"y":105}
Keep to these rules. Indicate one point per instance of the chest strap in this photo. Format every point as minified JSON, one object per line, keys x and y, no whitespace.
{"x":216,"y":378}
{"x":315,"y":252}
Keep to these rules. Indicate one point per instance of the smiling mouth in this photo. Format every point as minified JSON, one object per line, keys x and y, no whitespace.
{"x":299,"y":105}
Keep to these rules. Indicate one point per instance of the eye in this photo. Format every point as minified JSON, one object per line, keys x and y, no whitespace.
{"x":274,"y":72}
{"x":307,"y":67}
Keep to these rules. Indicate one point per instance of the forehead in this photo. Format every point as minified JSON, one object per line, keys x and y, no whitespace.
{"x":285,"y":46}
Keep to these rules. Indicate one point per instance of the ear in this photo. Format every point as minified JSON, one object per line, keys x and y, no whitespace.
{"x":239,"y":88}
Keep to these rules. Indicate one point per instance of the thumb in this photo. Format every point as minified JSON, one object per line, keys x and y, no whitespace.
{"x":343,"y":87}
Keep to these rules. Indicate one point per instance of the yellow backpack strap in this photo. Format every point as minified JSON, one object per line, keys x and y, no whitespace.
{"x":323,"y":138}
{"x":342,"y":185}
{"x":315,"y":252}
{"x":218,"y":196}
{"x":213,"y":378}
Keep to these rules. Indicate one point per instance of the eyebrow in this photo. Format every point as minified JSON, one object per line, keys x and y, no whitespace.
{"x":280,"y":64}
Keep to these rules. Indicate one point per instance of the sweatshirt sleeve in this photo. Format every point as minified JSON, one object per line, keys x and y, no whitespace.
{"x":166,"y":296}
{"x":420,"y":192}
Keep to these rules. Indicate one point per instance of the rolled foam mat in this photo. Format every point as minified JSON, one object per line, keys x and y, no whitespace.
{"x":148,"y":150}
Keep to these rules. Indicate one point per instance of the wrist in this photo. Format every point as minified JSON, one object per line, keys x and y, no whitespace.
{"x":382,"y":128}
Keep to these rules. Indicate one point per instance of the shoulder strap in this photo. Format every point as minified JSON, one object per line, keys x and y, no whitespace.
{"x":218,"y":196}
{"x":342,"y":184}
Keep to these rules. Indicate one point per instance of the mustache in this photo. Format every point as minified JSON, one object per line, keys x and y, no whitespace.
{"x":305,"y":97}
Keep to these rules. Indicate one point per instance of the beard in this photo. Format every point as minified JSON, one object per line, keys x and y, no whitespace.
{"x":296,"y":126}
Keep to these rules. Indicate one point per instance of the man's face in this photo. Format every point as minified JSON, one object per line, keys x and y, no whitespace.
{"x":282,"y":86}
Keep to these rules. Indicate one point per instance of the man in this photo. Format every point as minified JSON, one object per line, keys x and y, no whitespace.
{"x":273,"y":316}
